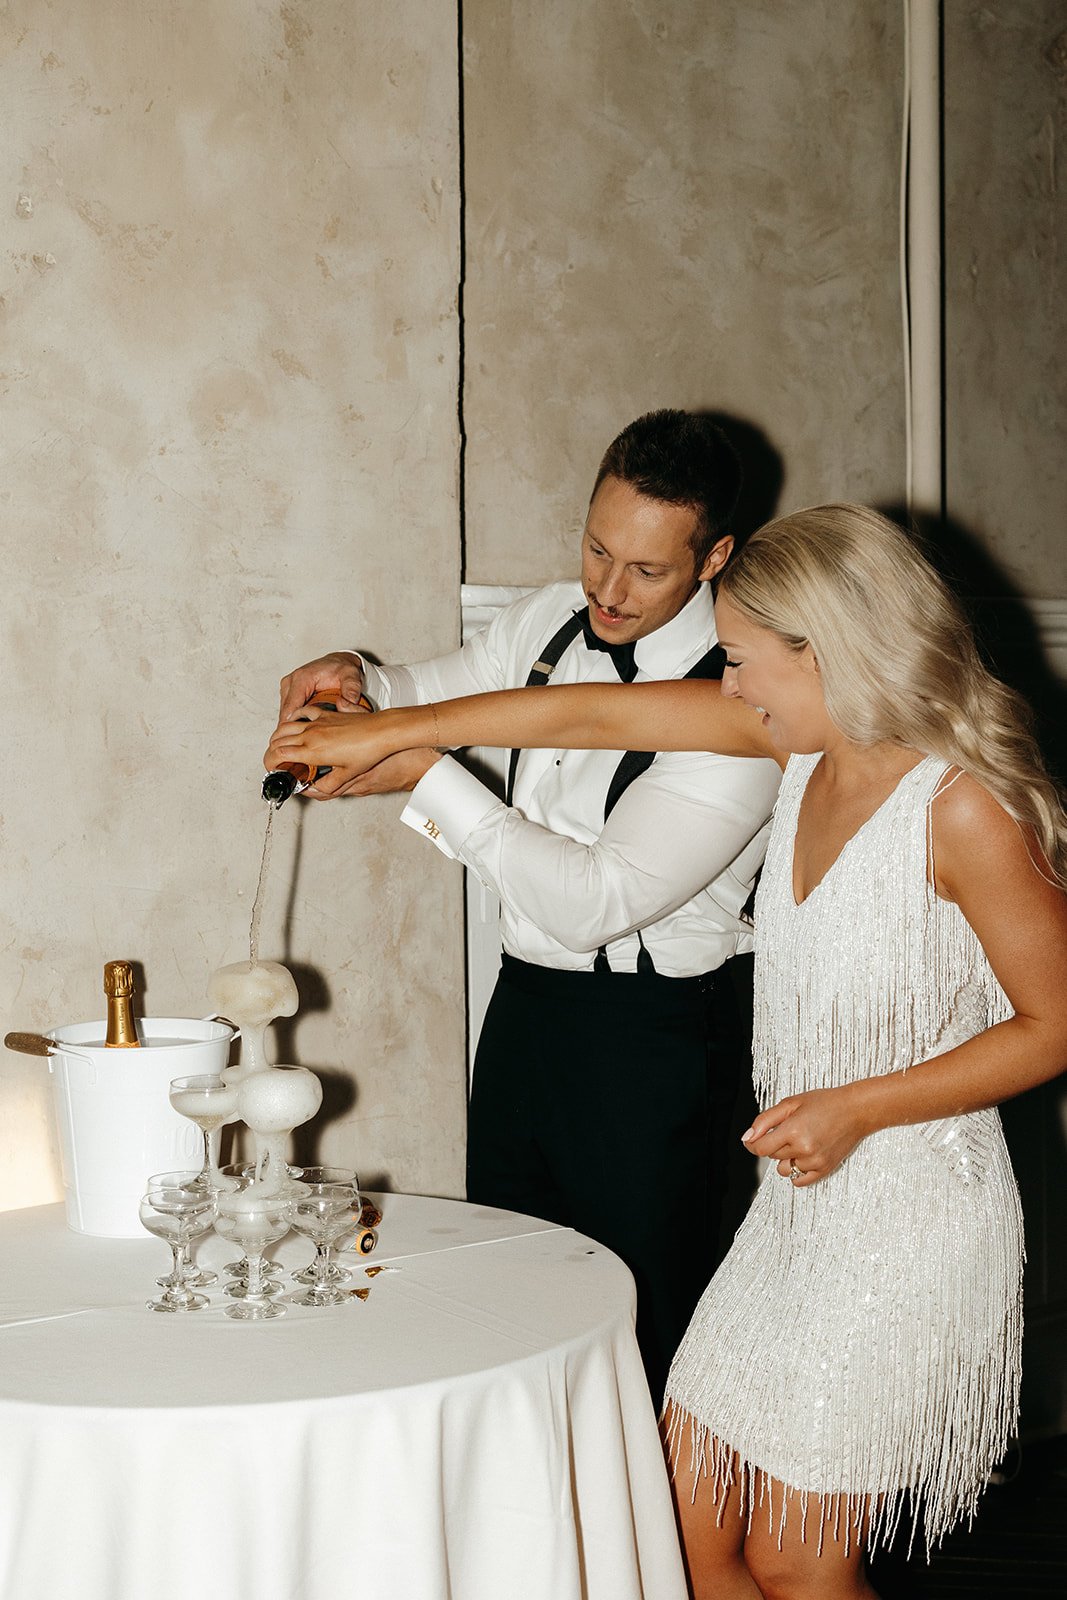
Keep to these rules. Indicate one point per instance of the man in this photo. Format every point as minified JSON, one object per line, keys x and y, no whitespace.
{"x":612,"y":1046}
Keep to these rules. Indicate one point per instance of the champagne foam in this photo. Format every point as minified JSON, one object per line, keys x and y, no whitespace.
{"x":253,"y":993}
{"x":278,"y":1099}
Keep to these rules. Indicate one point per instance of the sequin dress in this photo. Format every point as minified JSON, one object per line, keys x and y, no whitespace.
{"x":862,"y":1336}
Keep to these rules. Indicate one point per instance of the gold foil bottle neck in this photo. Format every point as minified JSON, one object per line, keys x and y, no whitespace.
{"x":118,"y":978}
{"x":118,"y":990}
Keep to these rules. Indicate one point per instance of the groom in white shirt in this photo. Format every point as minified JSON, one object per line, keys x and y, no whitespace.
{"x":612,"y":1047}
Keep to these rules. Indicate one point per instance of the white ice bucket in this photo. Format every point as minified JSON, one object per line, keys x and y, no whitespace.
{"x":116,"y":1124}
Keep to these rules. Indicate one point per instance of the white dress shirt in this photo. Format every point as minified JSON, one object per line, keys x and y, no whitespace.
{"x":678,"y":854}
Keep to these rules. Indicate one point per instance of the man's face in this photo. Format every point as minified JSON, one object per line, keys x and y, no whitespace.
{"x":638,"y":568}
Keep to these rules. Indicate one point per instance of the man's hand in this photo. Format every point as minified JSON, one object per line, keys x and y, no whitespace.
{"x":338,"y":674}
{"x":395,"y":775}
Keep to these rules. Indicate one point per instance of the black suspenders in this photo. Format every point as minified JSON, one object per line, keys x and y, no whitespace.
{"x":539,"y":674}
{"x":633,"y":763}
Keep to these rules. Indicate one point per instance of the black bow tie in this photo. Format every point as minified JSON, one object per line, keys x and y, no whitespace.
{"x":621,"y":654}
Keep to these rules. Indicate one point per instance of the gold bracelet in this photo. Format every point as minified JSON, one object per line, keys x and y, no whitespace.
{"x":436,"y":726}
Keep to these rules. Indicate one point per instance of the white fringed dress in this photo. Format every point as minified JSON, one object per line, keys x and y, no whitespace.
{"x":862,"y":1337}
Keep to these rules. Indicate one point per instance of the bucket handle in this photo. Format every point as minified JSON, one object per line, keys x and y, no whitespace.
{"x":41,"y":1044}
{"x":70,"y":1050}
{"x":215,"y":1016}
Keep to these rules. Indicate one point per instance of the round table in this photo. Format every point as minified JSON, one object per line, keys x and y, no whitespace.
{"x":478,"y":1428}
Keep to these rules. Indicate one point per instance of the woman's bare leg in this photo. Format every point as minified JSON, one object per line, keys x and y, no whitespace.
{"x":789,"y":1561}
{"x":713,"y":1536}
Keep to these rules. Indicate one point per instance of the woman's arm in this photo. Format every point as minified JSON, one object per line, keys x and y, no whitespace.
{"x":690,"y":715}
{"x":983,"y":864}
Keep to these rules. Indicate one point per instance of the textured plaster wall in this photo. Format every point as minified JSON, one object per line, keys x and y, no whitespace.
{"x":1006,"y":318}
{"x":228,"y":262}
{"x":683,"y":204}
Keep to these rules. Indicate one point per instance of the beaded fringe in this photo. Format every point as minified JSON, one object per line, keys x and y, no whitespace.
{"x":921,"y":956}
{"x":915,"y":983}
{"x":932,"y":1467}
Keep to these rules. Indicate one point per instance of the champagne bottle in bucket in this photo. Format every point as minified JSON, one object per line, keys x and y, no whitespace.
{"x":121,"y":1033}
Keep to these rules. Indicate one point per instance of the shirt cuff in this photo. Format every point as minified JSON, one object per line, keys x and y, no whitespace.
{"x":372,"y":683}
{"x":447,"y":804}
{"x":387,"y":686}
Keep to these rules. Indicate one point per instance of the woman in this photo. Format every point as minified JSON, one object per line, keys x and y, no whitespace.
{"x":856,"y":1357}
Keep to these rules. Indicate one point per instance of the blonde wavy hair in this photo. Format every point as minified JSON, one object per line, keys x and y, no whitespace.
{"x":897,"y":655}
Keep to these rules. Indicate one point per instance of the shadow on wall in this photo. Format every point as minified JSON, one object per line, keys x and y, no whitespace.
{"x":762,"y":472}
{"x":1005,"y":627}
{"x":1035,"y":1124}
{"x":339,"y":1092}
{"x":314,"y":994}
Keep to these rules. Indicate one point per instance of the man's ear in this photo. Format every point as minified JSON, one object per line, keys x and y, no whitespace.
{"x":718,"y":556}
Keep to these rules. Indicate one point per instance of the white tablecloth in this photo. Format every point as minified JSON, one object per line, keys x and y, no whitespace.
{"x":478,"y":1429}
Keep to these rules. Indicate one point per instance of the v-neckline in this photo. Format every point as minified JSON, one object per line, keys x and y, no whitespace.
{"x":797,"y":904}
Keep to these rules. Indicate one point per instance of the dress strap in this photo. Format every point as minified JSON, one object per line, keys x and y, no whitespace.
{"x":939,"y":789}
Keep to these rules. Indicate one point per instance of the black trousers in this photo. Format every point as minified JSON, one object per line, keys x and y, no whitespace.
{"x":603,"y":1102}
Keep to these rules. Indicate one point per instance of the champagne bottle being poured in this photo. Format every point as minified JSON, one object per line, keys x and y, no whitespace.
{"x":118,"y":990}
{"x":293,"y":776}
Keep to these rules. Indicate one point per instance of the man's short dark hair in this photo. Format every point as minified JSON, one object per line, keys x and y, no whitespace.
{"x":683,"y":459}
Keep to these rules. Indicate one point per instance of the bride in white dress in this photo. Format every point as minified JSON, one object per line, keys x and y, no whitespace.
{"x":855,"y":1360}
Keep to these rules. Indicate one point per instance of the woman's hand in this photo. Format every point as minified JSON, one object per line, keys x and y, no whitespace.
{"x":812,"y":1133}
{"x":335,"y":739}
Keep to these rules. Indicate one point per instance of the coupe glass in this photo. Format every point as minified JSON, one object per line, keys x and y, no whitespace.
{"x":192,"y":1276}
{"x":325,"y":1212}
{"x":176,"y":1208}
{"x":238,"y":1175}
{"x":327,"y":1271}
{"x":209,"y":1101}
{"x":252,"y":1220}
